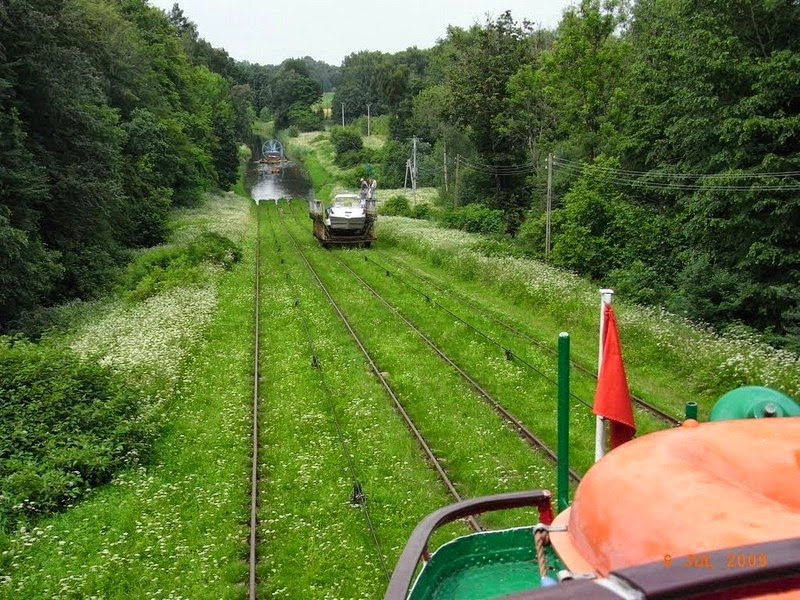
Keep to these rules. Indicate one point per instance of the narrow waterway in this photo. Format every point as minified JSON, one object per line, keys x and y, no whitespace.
{"x":270,"y":182}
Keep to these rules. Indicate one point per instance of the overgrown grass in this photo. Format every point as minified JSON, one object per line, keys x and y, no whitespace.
{"x":178,"y":265}
{"x":245,"y":155}
{"x":314,"y":544}
{"x":222,"y":213}
{"x":317,"y":153}
{"x":669,"y":359}
{"x":528,"y":389}
{"x":424,"y":195}
{"x":374,"y":141}
{"x":482,"y":454}
{"x":318,"y":145}
{"x":264,"y":129}
{"x":172,"y":529}
{"x":319,"y":177}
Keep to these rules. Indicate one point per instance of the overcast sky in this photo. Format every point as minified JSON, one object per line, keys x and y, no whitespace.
{"x":269,"y":31}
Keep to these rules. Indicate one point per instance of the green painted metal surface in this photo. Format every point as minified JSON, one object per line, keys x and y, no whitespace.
{"x":753,"y":402}
{"x":691,"y":410}
{"x":483,"y":566}
{"x":562,"y":499}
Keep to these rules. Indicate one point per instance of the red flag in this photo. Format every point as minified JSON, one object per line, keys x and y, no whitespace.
{"x":612,"y":399}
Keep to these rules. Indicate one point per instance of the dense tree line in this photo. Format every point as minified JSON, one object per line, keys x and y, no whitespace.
{"x":291,"y":87}
{"x":110,"y":113}
{"x":675,"y":127}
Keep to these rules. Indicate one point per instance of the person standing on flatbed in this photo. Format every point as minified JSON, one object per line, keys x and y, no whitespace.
{"x":362,"y":196}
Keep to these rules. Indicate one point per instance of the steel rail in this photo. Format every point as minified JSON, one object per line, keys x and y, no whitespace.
{"x":252,"y":555}
{"x":509,"y":354}
{"x":643,"y":404}
{"x":526,"y":434}
{"x":358,"y":495}
{"x":431,"y":457}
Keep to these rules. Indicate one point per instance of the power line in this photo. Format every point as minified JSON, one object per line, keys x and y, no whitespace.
{"x":640,"y":179}
{"x":497,"y":169}
{"x":758,"y":174}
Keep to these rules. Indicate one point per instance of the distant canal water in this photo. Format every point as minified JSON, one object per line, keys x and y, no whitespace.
{"x":269,"y":182}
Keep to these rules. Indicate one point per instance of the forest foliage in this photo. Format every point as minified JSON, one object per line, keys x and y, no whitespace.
{"x":674,"y":127}
{"x":111,"y":114}
{"x":675,"y":131}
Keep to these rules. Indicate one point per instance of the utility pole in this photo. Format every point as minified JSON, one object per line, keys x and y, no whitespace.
{"x":455,"y":198}
{"x":405,"y":180}
{"x":342,"y":114}
{"x":549,"y":204}
{"x":414,"y":170}
{"x":368,"y":119}
{"x":445,"y":166}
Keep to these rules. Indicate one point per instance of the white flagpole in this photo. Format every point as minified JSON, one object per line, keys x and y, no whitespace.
{"x":600,"y":422}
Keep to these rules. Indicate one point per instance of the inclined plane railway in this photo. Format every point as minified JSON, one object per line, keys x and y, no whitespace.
{"x":289,"y":235}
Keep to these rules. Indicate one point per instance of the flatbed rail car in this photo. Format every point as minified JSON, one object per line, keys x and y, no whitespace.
{"x":348,"y":220}
{"x":706,"y":510}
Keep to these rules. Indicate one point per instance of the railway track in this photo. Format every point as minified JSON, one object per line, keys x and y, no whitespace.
{"x":357,"y":497}
{"x":640,"y":402}
{"x":511,"y":421}
{"x":423,"y":444}
{"x":253,"y":533}
{"x":358,"y":494}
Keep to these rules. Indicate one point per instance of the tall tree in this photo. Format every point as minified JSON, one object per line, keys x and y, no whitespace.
{"x":358,"y":84}
{"x":581,"y":75}
{"x":715,"y":89}
{"x":104,"y":124}
{"x":293,"y":85}
{"x":482,"y":62}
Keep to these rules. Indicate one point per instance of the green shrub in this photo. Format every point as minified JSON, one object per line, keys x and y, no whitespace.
{"x":392,"y":159}
{"x":421,"y":211}
{"x":66,"y":425}
{"x":475,"y":218}
{"x":216,"y":248}
{"x":396,"y":206}
{"x":351,"y":158}
{"x":173,"y":266}
{"x":292,"y":131}
{"x":498,"y":245}
{"x":345,"y":139}
{"x":531,"y":234}
{"x":302,"y":118}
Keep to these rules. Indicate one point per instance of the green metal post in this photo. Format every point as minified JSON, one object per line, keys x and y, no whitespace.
{"x":562,"y":500}
{"x":691,"y":410}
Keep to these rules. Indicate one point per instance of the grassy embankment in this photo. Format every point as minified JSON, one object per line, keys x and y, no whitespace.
{"x":314,"y":543}
{"x":174,"y":528}
{"x":669,"y":360}
{"x":526,"y":388}
{"x":315,"y":150}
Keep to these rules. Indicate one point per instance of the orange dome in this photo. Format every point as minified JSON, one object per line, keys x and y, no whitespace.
{"x":686,"y":491}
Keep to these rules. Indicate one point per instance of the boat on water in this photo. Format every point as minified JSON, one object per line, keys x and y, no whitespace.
{"x":705,"y":510}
